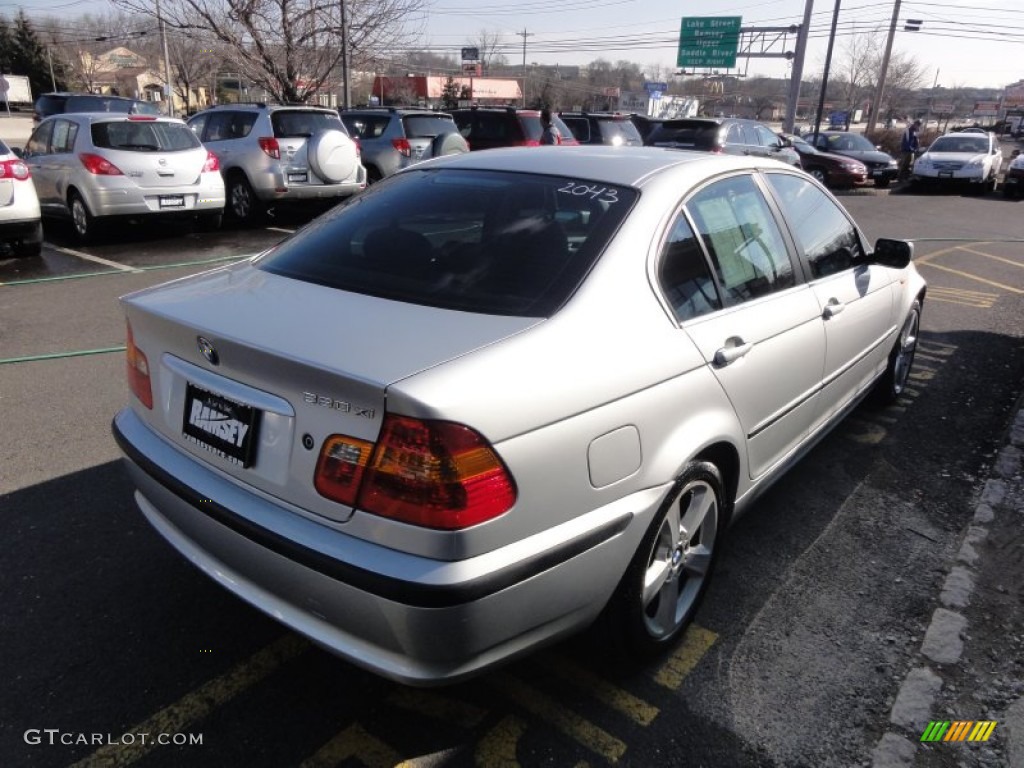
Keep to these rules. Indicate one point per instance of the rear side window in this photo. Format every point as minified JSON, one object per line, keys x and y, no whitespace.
{"x":743,"y":238}
{"x":684,"y":274}
{"x":580,"y":128}
{"x":531,"y":127}
{"x":64,"y":134}
{"x":138,"y":136}
{"x":228,"y":124}
{"x":427,"y":126}
{"x":297,"y":124}
{"x":476,"y":241}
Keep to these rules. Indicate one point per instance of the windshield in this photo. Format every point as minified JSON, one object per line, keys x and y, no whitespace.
{"x":972,"y":144}
{"x":848,"y":142}
{"x":478,"y":241}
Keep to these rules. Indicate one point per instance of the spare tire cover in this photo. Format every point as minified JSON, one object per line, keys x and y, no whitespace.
{"x":332,"y":156}
{"x":448,"y":144}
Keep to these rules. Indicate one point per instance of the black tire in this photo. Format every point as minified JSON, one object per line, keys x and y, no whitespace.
{"x":242,"y":205}
{"x":650,"y":619}
{"x":83,"y":223}
{"x":209,"y":222}
{"x":372,"y":175}
{"x":30,"y":246}
{"x":820,"y":174}
{"x":901,"y":359}
{"x":882,"y":183}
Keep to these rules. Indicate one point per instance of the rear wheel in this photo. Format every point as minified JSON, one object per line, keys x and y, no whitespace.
{"x":29,"y":246}
{"x":85,"y":224}
{"x":667,"y":578}
{"x":901,"y":359}
{"x":243,"y":205}
{"x":819,"y":174}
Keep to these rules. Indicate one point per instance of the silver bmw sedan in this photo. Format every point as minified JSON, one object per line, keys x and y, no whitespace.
{"x":504,"y":394}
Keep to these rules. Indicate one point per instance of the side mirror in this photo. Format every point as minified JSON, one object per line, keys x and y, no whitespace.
{"x":892,"y":253}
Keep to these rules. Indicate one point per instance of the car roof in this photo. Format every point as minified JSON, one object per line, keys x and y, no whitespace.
{"x":626,"y":166}
{"x":110,"y":117}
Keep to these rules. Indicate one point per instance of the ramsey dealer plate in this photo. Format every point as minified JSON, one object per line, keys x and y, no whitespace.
{"x":221,"y":426}
{"x":172,"y":201}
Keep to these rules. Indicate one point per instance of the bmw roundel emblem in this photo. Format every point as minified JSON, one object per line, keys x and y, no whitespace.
{"x":207,"y":350}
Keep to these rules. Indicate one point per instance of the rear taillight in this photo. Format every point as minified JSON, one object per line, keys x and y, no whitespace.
{"x":14,"y":169}
{"x":436,"y":474}
{"x":99,"y":166}
{"x":402,"y":145}
{"x":212,"y":163}
{"x":359,"y":147}
{"x":527,"y":143}
{"x":137,"y":367}
{"x":269,"y":145}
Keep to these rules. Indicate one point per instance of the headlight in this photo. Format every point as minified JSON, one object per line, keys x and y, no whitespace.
{"x":854,"y":167}
{"x":922,"y":162}
{"x":892,"y":163}
{"x":975,"y":163}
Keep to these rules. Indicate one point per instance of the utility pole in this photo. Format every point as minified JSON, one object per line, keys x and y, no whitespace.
{"x":876,"y":105}
{"x":169,"y":91}
{"x":346,"y":89}
{"x":797,"y":75}
{"x":824,"y":77}
{"x":524,"y":34}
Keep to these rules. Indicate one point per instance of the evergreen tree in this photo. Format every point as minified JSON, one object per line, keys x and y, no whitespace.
{"x":6,"y":46}
{"x":29,"y":55}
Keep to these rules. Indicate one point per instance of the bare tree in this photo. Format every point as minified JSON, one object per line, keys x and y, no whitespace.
{"x":194,"y":62}
{"x":489,"y":44}
{"x":291,"y":48}
{"x":857,"y":67}
{"x":79,"y":53}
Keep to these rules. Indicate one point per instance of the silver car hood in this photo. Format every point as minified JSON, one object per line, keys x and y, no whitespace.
{"x":363,"y":337}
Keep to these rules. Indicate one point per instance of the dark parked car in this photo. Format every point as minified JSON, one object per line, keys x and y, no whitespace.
{"x":645,"y":124}
{"x":881,"y":166}
{"x":729,"y":135}
{"x":831,"y":170}
{"x":609,"y":128}
{"x":491,"y":127}
{"x":59,"y":103}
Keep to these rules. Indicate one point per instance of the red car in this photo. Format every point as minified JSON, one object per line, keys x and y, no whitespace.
{"x":830,"y":169}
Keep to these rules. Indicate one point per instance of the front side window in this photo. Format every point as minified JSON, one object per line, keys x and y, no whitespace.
{"x":827,"y":237}
{"x":766,"y":137}
{"x":746,"y":246}
{"x":39,"y":141}
{"x":477,"y":241}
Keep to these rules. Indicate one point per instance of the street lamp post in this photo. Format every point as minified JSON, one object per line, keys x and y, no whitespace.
{"x":169,"y":91}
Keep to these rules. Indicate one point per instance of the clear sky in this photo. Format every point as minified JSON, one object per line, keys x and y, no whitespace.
{"x":965,"y":43}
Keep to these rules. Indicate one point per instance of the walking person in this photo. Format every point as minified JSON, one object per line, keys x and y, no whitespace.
{"x":549,"y":134}
{"x":908,"y":149}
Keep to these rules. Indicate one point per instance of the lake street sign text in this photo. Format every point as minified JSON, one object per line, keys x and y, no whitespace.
{"x":709,"y":41}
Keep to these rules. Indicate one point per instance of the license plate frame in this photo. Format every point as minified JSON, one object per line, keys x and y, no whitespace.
{"x":298,"y":178}
{"x":172,"y":201}
{"x":220,"y":425}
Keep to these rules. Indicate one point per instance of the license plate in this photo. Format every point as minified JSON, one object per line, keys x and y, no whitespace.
{"x":172,"y":201}
{"x":945,"y":174}
{"x":220,"y":425}
{"x":877,"y":173}
{"x":300,"y":177}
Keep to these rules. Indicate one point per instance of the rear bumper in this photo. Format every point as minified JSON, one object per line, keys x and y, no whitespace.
{"x":274,"y":186}
{"x":19,"y":228}
{"x":124,"y":200}
{"x":413,"y":619}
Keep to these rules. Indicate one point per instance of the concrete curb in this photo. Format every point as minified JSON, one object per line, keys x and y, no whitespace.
{"x":943,"y":641}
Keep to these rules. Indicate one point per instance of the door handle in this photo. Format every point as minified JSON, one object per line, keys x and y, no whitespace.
{"x":833,"y":308}
{"x":735,"y":349}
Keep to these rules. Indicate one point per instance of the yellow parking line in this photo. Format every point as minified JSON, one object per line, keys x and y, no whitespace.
{"x":993,"y":256}
{"x":199,"y":703}
{"x":437,"y":706}
{"x":354,"y":741}
{"x":554,"y":713}
{"x":696,"y":643}
{"x":969,"y":276}
{"x":497,"y":749}
{"x":636,"y":709}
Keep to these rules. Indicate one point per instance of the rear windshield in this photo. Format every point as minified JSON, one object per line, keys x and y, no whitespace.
{"x":132,"y":136}
{"x":427,"y":126}
{"x":696,"y":134}
{"x":478,"y":241}
{"x":366,"y":126}
{"x":619,"y":131}
{"x":294,"y":124}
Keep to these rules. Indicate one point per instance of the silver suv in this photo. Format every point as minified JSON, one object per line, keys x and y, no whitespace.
{"x":272,"y":154}
{"x":392,"y":138}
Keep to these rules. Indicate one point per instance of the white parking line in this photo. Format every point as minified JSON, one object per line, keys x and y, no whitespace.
{"x":90,"y":257}
{"x":281,"y":229}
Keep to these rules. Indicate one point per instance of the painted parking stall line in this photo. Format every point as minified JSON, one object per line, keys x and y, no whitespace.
{"x":94,"y":259}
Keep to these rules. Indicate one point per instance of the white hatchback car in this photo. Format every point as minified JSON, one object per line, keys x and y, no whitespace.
{"x":20,"y":223}
{"x":966,"y":158}
{"x":97,"y":166}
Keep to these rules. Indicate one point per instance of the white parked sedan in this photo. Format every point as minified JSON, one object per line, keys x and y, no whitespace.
{"x":97,"y":166}
{"x":967,"y":159}
{"x":20,"y":223}
{"x":502,"y":393}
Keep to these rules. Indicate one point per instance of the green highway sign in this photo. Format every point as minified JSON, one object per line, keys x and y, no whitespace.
{"x":709,"y":41}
